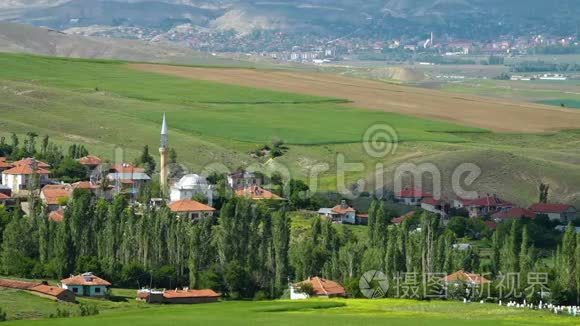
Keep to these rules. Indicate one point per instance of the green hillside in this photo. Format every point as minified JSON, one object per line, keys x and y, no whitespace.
{"x":104,"y":104}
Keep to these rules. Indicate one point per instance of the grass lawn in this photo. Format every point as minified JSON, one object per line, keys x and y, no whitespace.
{"x":318,"y":312}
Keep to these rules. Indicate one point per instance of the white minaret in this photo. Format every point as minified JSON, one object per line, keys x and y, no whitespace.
{"x":163,"y":173}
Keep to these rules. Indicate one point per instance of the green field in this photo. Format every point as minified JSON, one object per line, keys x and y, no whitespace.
{"x":125,"y":310}
{"x":112,"y":91}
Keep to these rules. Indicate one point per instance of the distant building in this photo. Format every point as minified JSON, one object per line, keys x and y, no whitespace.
{"x":257,"y":193}
{"x":321,"y":288}
{"x":87,"y":285}
{"x":411,"y":196}
{"x":53,"y":196}
{"x":243,"y":179}
{"x":513,"y":213}
{"x":435,"y":206}
{"x":128,"y":179}
{"x":184,"y":296}
{"x":483,"y":206}
{"x":40,"y":289}
{"x":555,"y":212}
{"x":91,"y":162}
{"x":342,"y":213}
{"x":189,"y":186}
{"x":191,"y":209}
{"x":19,"y":177}
{"x":463,"y":277}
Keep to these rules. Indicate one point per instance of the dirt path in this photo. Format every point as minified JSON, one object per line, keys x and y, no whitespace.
{"x":489,"y":113}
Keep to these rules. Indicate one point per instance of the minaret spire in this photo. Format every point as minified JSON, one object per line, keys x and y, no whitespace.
{"x":163,"y":173}
{"x":164,"y":133}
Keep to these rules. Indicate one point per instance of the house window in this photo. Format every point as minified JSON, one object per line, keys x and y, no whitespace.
{"x":75,"y":290}
{"x":97,"y":290}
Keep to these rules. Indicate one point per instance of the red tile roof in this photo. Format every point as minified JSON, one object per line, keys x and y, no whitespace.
{"x":28,"y":161}
{"x":25,"y":169}
{"x":14,"y":284}
{"x":127,"y":168}
{"x":432,"y":201}
{"x":486,"y":201}
{"x":257,"y":193}
{"x":550,"y":208}
{"x":188,"y":205}
{"x":466,"y":277}
{"x":205,"y":293}
{"x":324,"y":287}
{"x":56,"y":216}
{"x":515,"y":212}
{"x":84,"y":185}
{"x":4,"y":196}
{"x":85,"y":279}
{"x":4,"y":164}
{"x":90,"y":160}
{"x":412,"y":193}
{"x":48,"y":290}
{"x":402,"y":218}
{"x":52,"y":194}
{"x":339,"y":209}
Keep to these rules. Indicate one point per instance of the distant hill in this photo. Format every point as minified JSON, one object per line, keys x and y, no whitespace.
{"x":475,"y":19}
{"x":20,"y":38}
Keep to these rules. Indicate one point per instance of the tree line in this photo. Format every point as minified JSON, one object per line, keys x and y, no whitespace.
{"x":249,"y":250}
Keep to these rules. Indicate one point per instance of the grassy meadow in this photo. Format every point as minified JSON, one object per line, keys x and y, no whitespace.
{"x":397,"y":312}
{"x":23,"y":308}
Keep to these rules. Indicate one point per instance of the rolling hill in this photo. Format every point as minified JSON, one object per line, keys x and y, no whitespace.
{"x":322,"y":18}
{"x":111,"y":104}
{"x":20,"y":38}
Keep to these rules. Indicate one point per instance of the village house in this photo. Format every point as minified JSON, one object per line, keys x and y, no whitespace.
{"x":93,"y":165}
{"x":513,"y":213}
{"x":55,"y":197}
{"x":191,"y":209}
{"x":91,"y":162}
{"x":321,"y":288}
{"x":4,"y":165}
{"x":555,"y":212}
{"x":87,"y":285}
{"x":243,"y":179}
{"x":189,"y":186}
{"x":41,"y":289}
{"x":257,"y":193}
{"x":483,"y":206}
{"x":463,"y":277}
{"x":411,"y":196}
{"x":435,"y":206}
{"x":19,"y":177}
{"x":128,"y":179}
{"x":341,"y":213}
{"x":184,"y":296}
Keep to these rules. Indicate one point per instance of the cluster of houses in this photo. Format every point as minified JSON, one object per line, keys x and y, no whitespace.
{"x":105,"y":181}
{"x":489,"y":205}
{"x":90,"y":285}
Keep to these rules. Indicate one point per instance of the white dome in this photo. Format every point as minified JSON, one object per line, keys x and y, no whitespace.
{"x":190,"y":181}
